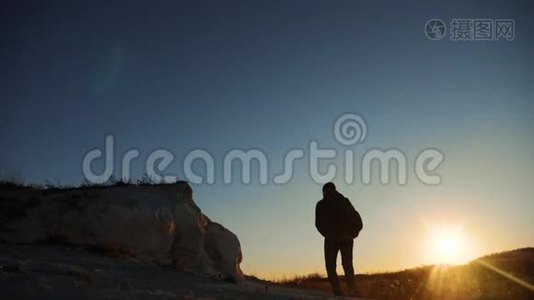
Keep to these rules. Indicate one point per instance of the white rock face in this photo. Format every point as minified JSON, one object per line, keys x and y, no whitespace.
{"x":160,"y":224}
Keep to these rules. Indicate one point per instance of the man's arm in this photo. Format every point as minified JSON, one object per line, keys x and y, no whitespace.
{"x":319,"y":220}
{"x":355,"y":218}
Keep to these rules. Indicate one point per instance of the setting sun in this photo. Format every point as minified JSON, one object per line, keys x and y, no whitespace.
{"x":448,"y":245}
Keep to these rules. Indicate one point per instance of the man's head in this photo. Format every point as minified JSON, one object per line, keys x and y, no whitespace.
{"x":328,"y":189}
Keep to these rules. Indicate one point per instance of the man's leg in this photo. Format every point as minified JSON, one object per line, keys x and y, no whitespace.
{"x":331,"y":247}
{"x":346,"y":247}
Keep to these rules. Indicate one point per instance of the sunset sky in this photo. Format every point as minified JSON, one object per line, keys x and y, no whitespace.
{"x":274,"y":76}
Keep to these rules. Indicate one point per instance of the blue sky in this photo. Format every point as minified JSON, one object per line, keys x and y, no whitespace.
{"x":273,"y":76}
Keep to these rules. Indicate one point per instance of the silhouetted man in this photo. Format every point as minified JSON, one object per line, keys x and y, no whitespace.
{"x":338,"y":221}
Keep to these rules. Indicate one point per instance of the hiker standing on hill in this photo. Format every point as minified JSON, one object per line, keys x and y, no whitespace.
{"x":339,"y":223}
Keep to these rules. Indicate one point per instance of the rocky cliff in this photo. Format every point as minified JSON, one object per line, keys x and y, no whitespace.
{"x":159,"y":224}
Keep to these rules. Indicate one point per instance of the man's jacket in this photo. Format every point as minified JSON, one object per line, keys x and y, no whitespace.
{"x":336,"y":218}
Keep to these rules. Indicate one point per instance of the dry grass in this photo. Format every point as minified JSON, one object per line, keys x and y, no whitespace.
{"x":472,"y":281}
{"x":49,"y":185}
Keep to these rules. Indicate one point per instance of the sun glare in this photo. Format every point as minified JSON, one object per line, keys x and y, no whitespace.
{"x":447,"y":245}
